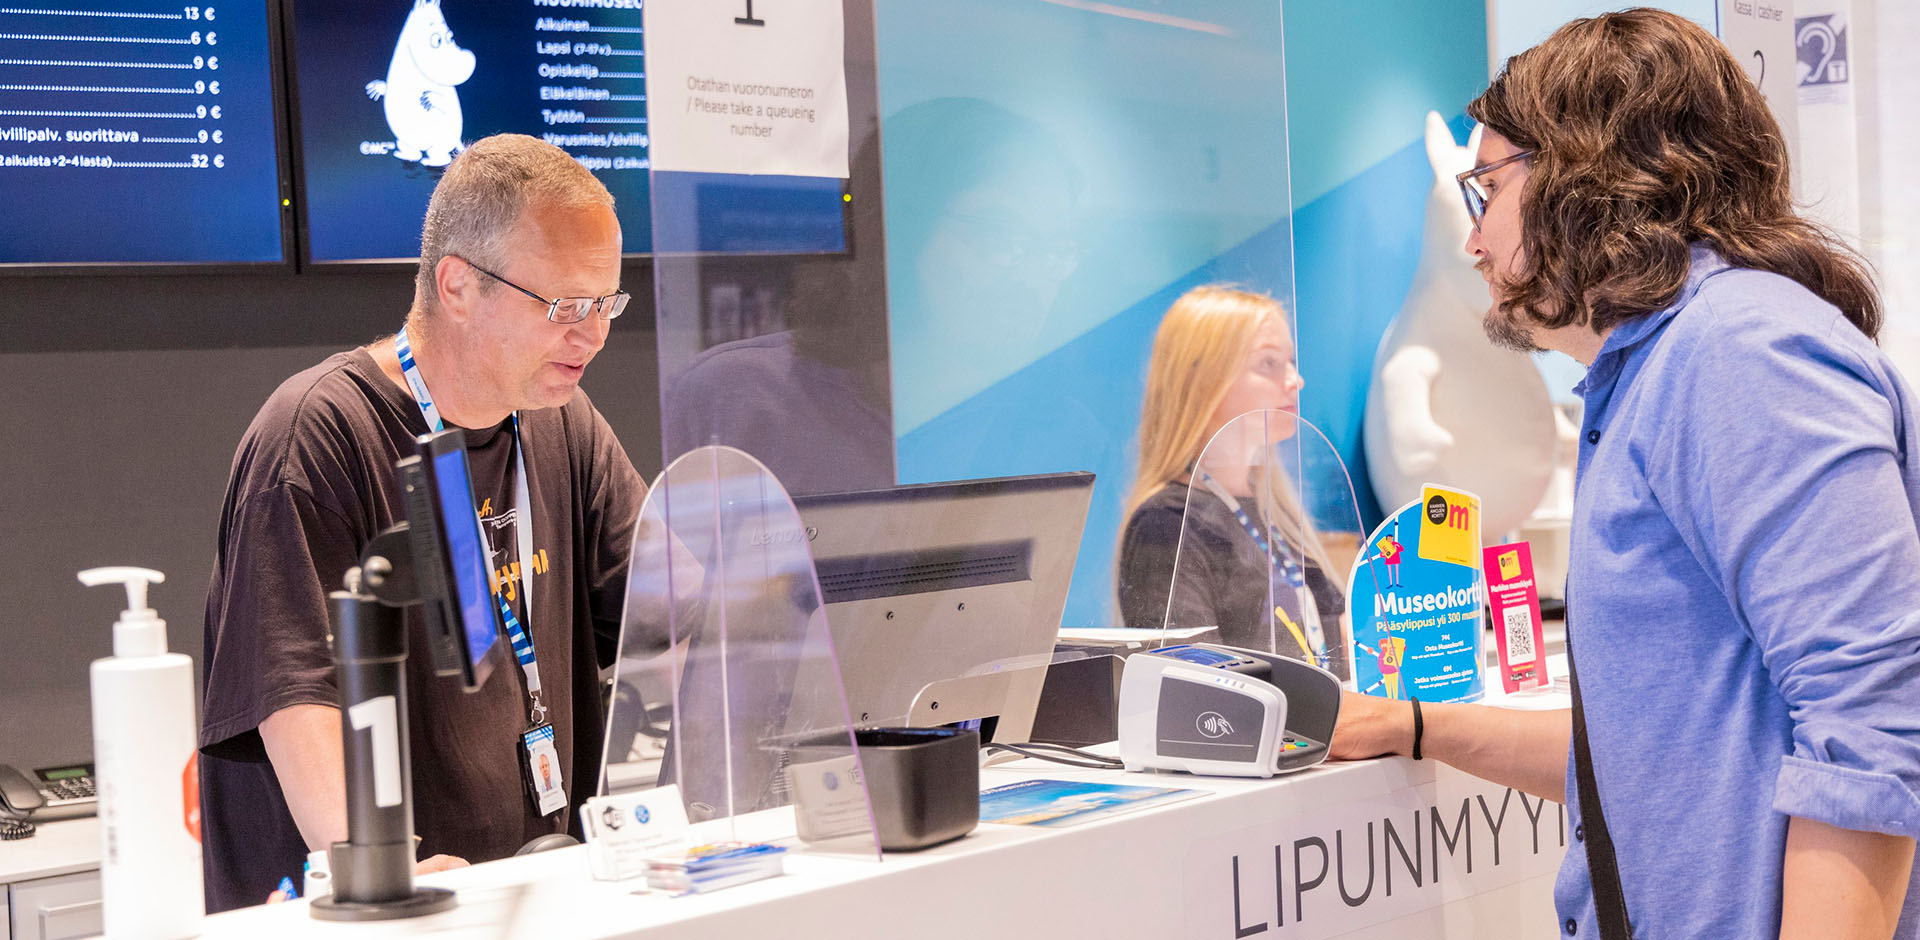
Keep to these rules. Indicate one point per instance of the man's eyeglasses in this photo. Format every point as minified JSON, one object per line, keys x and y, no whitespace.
{"x":1475,"y":193}
{"x":569,"y":309}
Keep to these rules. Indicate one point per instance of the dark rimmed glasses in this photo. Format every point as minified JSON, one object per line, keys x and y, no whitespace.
{"x":1476,"y":194}
{"x":569,"y":309}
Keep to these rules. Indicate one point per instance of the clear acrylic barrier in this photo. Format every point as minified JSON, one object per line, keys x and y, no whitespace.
{"x":727,"y":684}
{"x":986,"y":308}
{"x":1269,"y":534}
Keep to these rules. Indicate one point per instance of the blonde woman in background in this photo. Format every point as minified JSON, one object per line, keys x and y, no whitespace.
{"x":1222,"y":352}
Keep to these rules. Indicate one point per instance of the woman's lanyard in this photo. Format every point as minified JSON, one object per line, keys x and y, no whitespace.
{"x":521,"y":641}
{"x":1284,"y":568}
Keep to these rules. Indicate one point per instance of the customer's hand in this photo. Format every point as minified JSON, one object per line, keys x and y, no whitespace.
{"x":431,"y":864}
{"x":1371,"y":726}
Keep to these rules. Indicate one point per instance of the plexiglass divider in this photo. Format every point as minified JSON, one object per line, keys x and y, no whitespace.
{"x":1270,"y":496}
{"x":727,"y":684}
{"x":984,"y":308}
{"x":770,"y":288}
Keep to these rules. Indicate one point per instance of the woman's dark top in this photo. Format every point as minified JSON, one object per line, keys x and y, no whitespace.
{"x":1223,"y":576}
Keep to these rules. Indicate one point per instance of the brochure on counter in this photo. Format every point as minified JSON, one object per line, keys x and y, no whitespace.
{"x":1058,"y":803}
{"x":715,"y":866}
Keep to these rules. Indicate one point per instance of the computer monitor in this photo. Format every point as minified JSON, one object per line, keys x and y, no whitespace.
{"x":450,"y":562}
{"x":931,"y":583}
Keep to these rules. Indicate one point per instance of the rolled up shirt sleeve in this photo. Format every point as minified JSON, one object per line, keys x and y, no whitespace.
{"x":1786,"y":468}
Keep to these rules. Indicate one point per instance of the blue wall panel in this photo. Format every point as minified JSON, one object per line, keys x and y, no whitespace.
{"x":1198,"y":204}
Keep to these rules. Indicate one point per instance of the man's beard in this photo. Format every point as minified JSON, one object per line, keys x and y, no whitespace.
{"x":1506,"y":331}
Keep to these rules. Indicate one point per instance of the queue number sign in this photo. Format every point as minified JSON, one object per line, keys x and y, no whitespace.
{"x":750,"y":87}
{"x":1760,"y":34}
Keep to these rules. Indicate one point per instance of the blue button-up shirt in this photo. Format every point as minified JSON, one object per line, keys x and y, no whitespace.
{"x":1744,"y":589}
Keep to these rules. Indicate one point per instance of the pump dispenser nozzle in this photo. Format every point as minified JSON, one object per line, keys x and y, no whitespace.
{"x":139,"y":631}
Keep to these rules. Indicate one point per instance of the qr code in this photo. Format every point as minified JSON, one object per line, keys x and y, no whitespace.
{"x":1519,"y":621}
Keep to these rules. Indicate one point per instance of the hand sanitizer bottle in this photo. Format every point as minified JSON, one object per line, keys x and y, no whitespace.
{"x":146,"y":773}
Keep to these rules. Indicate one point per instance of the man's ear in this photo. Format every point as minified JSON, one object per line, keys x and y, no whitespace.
{"x":457,"y":285}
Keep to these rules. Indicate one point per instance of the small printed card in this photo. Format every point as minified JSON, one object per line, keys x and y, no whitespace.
{"x":829,"y":799}
{"x":625,"y":828}
{"x":714,"y":866}
{"x":1516,"y":615}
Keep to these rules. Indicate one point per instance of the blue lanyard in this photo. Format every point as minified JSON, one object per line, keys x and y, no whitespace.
{"x":1282,"y":561}
{"x":517,"y":636}
{"x":1282,"y":564}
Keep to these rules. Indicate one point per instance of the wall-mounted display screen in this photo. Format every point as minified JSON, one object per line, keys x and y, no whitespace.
{"x":387,"y":91}
{"x":138,"y":132}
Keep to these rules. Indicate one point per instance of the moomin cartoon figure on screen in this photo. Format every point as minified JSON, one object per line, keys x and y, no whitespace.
{"x":423,"y":109}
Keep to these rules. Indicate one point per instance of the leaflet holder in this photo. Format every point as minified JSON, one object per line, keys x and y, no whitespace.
{"x":722,"y":602}
{"x":1270,"y":494}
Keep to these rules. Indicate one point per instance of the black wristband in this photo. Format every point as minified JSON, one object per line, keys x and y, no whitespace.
{"x":1419,"y":727}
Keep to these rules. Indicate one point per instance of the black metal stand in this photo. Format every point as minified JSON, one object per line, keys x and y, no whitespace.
{"x":373,"y":870}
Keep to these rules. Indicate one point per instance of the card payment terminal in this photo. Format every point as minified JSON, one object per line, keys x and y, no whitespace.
{"x":1210,"y":709}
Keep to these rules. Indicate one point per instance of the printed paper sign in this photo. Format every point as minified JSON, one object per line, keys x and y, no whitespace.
{"x":1760,"y":34}
{"x":1516,"y":615}
{"x":624,"y":828}
{"x":829,"y":798}
{"x":747,"y":86}
{"x":1415,"y":596}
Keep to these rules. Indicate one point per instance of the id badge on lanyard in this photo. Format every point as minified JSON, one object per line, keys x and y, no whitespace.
{"x":539,"y":758}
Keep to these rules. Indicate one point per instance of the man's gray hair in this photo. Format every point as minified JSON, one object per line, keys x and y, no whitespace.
{"x":480,"y":200}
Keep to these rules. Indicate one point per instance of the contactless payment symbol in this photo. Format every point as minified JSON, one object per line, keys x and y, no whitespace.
{"x":1214,"y":725}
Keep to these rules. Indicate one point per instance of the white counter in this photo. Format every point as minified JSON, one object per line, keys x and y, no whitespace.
{"x":1466,"y":858}
{"x":50,"y":882}
{"x":58,"y":848}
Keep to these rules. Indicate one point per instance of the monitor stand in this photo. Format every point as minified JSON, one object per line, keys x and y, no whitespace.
{"x":1010,"y":694}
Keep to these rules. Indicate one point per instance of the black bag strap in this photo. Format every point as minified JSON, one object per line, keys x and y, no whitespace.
{"x":1609,"y":898}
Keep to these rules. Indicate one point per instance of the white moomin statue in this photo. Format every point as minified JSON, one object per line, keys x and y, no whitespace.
{"x":422,"y":108}
{"x":1446,"y":405}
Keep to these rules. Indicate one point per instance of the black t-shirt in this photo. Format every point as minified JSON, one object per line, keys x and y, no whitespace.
{"x":312,"y":483}
{"x":1223,"y":576}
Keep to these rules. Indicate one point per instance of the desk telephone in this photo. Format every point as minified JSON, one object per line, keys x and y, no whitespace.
{"x":49,"y":793}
